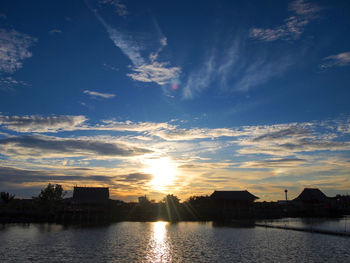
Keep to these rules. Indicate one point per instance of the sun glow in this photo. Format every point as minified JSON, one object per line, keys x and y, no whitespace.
{"x":163,"y":171}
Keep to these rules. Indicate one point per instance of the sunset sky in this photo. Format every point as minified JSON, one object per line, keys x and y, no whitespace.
{"x":182,"y":97}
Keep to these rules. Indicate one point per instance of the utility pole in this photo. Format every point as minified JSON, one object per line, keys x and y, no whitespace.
{"x":286,"y":191}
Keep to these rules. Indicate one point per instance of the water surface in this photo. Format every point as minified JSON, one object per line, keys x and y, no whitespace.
{"x":165,"y":242}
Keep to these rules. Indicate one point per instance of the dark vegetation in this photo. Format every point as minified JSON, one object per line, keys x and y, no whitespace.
{"x":50,"y":206}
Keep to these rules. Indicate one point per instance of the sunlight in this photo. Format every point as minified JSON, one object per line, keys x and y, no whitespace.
{"x":163,"y":171}
{"x":159,"y":250}
{"x":159,"y":231}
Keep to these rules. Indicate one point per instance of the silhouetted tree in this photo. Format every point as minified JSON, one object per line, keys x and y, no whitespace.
{"x":50,"y":196}
{"x":199,"y":200}
{"x":6,"y":197}
{"x":172,"y":199}
{"x":199,"y":207}
{"x":172,"y":205}
{"x":52,"y":193}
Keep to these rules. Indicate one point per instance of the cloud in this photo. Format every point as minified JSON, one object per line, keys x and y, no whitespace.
{"x":98,"y":94}
{"x":293,"y":26}
{"x":273,"y":163}
{"x":55,"y":31}
{"x":138,"y":177}
{"x":155,"y":72}
{"x":290,"y":139}
{"x":35,"y":123}
{"x":261,"y":71}
{"x":8,"y":83}
{"x":119,"y":7}
{"x":144,"y":71}
{"x":283,"y":133}
{"x":40,"y":124}
{"x":150,"y":127}
{"x":302,"y":7}
{"x":315,"y":145}
{"x":110,"y":67}
{"x":126,"y":44}
{"x":195,"y":133}
{"x":230,"y":68}
{"x":163,"y":41}
{"x":44,"y":146}
{"x":14,"y":48}
{"x":200,"y":79}
{"x":22,"y":176}
{"x":339,"y":60}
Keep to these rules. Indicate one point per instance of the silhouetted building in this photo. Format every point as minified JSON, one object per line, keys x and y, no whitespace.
{"x":143,"y":200}
{"x":311,"y":196}
{"x":234,"y":198}
{"x":90,"y":195}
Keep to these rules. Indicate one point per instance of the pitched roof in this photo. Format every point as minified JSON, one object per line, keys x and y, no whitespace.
{"x":90,"y":195}
{"x":234,"y":195}
{"x":311,"y":195}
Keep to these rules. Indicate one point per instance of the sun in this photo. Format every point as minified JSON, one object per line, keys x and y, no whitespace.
{"x":163,"y":171}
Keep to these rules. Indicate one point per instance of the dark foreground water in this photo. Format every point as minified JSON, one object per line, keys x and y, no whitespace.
{"x":165,"y":242}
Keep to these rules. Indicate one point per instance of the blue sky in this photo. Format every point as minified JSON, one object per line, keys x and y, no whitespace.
{"x":155,"y":97}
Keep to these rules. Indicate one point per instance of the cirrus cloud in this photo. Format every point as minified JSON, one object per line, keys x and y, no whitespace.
{"x":44,"y":146}
{"x":99,"y":94}
{"x":293,"y":26}
{"x":14,"y":48}
{"x":338,"y":60}
{"x":34,"y":123}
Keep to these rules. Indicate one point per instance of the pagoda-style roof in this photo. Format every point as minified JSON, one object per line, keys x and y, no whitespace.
{"x":90,"y":195}
{"x":313,"y":195}
{"x":234,"y":196}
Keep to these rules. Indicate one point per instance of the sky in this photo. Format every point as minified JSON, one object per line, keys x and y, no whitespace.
{"x":175,"y":97}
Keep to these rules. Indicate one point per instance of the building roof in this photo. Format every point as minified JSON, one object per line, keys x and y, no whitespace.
{"x":234,"y":195}
{"x":90,"y":195}
{"x":311,"y":195}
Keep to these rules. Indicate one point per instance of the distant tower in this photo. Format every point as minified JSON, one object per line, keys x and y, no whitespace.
{"x":286,"y":191}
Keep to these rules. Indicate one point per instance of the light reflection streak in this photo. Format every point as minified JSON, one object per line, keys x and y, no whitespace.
{"x":158,"y":247}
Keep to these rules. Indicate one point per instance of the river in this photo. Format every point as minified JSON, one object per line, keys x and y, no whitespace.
{"x":166,"y":242}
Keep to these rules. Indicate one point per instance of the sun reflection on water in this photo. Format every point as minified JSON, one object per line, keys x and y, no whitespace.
{"x":158,"y":248}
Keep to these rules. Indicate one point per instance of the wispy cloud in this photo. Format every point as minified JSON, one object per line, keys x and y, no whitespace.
{"x":195,"y":133}
{"x":14,"y":48}
{"x":233,"y":71}
{"x":138,"y":177}
{"x":55,"y":31}
{"x":304,"y":8}
{"x":110,"y":67}
{"x":338,"y":60}
{"x":156,"y":72}
{"x":261,"y":71}
{"x":41,"y":124}
{"x":50,"y":147}
{"x":8,"y":83}
{"x":149,"y":127}
{"x":200,"y":79}
{"x":21,"y":176}
{"x":118,"y":6}
{"x":99,"y":94}
{"x":145,"y":69}
{"x":293,"y":26}
{"x":272,"y":163}
{"x":36,"y":123}
{"x":284,"y":132}
{"x":291,"y":139}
